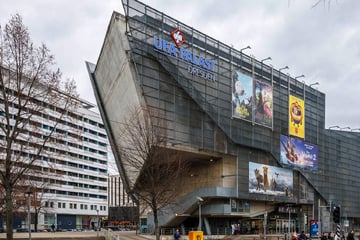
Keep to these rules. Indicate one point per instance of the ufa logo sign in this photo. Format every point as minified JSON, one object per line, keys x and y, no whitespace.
{"x":178,"y":37}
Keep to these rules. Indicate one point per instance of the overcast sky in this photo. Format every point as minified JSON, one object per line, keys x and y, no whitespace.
{"x":321,"y":42}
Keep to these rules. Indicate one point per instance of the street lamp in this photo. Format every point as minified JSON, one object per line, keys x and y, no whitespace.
{"x":241,"y":56}
{"x":200,"y":201}
{"x":301,"y":76}
{"x":265,"y":222}
{"x":97,"y":229}
{"x":315,"y":83}
{"x":334,"y":127}
{"x":265,"y":59}
{"x":28,"y":193}
{"x":280,"y":69}
{"x":286,"y":67}
{"x":248,"y":47}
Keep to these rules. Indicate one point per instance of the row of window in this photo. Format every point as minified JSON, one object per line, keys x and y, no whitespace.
{"x":79,"y":146}
{"x":76,"y":194}
{"x":62,"y":131}
{"x":80,"y":206}
{"x":55,"y":109}
{"x":77,"y":165}
{"x":61,"y":152}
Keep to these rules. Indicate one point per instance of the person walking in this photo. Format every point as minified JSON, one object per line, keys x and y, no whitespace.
{"x":303,"y":236}
{"x":350,"y":235}
{"x":177,"y":235}
{"x":53,"y":228}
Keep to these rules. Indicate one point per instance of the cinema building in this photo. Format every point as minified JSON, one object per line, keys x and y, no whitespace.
{"x":256,"y":136}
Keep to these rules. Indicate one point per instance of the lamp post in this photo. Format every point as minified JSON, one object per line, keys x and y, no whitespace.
{"x":248,"y":47}
{"x":280,"y":69}
{"x":200,"y":201}
{"x":262,"y":61}
{"x":286,"y":67}
{"x":97,"y":227}
{"x":289,"y":232}
{"x":28,"y":192}
{"x":241,"y":56}
{"x":317,"y":122}
{"x":265,"y":59}
{"x":265,"y":222}
{"x":301,"y":76}
{"x":315,"y":83}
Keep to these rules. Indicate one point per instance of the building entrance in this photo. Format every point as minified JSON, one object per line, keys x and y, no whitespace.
{"x":282,"y":225}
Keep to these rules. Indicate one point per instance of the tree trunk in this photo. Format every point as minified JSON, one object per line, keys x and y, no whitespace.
{"x":9,"y":213}
{"x":36,"y":219}
{"x":156,"y":222}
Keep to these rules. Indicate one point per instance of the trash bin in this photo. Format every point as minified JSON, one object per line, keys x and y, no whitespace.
{"x":196,"y":235}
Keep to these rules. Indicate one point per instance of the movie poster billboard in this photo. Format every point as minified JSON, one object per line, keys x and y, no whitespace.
{"x":297,"y":153}
{"x":263,"y":103}
{"x":242,"y":88}
{"x":270,"y":180}
{"x":296,"y":117}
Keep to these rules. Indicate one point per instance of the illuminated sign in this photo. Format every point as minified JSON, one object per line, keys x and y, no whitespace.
{"x":314,"y":229}
{"x":178,"y":37}
{"x":198,"y":65}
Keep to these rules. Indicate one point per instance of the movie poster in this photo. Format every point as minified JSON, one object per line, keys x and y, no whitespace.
{"x":296,"y":117}
{"x":297,"y":153}
{"x":242,"y":88}
{"x":270,"y":180}
{"x":263,"y":103}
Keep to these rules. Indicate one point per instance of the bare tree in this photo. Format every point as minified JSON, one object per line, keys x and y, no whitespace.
{"x":153,"y":168}
{"x":30,"y":89}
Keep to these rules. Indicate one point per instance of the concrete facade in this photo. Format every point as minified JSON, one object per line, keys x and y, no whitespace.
{"x":133,"y":70}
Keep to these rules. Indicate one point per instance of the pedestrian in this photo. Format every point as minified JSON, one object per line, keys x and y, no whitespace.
{"x":177,"y":235}
{"x":350,"y":235}
{"x":324,"y":237}
{"x":303,"y":236}
{"x":52,"y":227}
{"x":294,"y":236}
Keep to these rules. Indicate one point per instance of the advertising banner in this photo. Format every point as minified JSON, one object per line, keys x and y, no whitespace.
{"x":297,"y":153}
{"x":242,"y":88}
{"x":314,"y":229}
{"x":263,"y":103}
{"x":270,"y":180}
{"x":296,"y":117}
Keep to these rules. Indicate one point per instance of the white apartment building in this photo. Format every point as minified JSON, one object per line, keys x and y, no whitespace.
{"x":74,"y":169}
{"x":79,"y":198}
